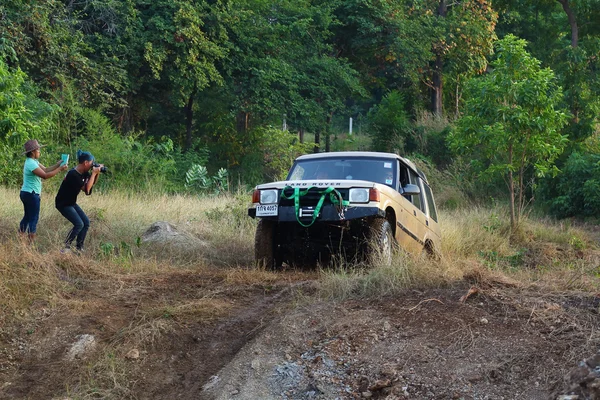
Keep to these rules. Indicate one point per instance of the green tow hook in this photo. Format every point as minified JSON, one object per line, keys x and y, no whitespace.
{"x":334,"y":196}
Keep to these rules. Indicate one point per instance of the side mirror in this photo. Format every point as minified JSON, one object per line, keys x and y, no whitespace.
{"x":411,"y":190}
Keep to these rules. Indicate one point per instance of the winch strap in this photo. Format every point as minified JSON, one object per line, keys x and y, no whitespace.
{"x":333,"y":193}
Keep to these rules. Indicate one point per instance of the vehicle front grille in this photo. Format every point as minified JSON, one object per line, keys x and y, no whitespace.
{"x":311,"y":198}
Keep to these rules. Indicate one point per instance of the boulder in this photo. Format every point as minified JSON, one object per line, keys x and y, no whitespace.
{"x":162,"y":232}
{"x":583,"y":382}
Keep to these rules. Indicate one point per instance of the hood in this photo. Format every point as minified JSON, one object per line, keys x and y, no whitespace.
{"x":336,"y":183}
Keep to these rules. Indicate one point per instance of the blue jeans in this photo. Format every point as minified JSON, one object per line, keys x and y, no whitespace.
{"x":81,"y":224}
{"x":31,"y":204}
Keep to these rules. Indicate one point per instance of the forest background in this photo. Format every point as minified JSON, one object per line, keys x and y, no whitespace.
{"x":495,"y":100}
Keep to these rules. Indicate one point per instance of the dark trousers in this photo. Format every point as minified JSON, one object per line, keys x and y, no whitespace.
{"x":81,"y":224}
{"x":31,"y":204}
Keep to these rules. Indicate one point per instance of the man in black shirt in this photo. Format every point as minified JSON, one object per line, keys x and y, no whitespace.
{"x":77,"y":179}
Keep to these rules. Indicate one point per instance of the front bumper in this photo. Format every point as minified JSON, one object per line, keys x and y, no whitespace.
{"x":328,"y":213}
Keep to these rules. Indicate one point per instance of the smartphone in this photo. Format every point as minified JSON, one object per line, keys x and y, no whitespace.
{"x":65,"y":159}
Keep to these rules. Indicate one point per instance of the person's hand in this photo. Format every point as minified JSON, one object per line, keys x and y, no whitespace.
{"x":96,"y":170}
{"x":63,"y":168}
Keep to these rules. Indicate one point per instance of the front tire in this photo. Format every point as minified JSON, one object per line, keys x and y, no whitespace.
{"x":265,"y":246}
{"x":380,"y":244}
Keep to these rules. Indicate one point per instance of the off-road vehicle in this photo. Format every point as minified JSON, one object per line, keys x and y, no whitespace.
{"x":358,"y":205}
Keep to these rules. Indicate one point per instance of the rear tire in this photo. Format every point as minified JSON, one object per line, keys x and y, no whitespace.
{"x":381,"y":243}
{"x":265,"y":246}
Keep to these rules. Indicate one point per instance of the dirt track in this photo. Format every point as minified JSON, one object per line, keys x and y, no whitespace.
{"x":263,"y":343}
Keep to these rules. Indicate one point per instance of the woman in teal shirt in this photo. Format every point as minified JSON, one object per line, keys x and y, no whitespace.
{"x":33,"y":173}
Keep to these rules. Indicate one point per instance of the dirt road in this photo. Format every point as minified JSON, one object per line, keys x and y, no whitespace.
{"x":189,"y":335}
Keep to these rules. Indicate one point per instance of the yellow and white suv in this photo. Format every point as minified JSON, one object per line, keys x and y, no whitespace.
{"x":357,"y":205}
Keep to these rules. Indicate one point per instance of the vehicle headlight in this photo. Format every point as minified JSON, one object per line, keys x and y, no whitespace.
{"x":268,"y":197}
{"x":359,"y":196}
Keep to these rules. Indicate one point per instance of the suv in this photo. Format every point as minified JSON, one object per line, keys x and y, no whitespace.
{"x":358,"y":205}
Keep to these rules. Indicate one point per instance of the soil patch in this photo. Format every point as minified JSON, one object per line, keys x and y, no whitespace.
{"x":191,"y":335}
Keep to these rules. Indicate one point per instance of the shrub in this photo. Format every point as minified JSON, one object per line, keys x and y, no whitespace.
{"x":390,"y":126}
{"x":270,"y":154}
{"x":22,"y":117}
{"x":576,"y":191}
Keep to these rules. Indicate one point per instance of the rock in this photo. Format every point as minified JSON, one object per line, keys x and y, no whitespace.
{"x":83,"y":345}
{"x":162,"y":232}
{"x":484,"y":321}
{"x":474,"y":378}
{"x":380,"y":385}
{"x":133,"y":354}
{"x":212,"y":381}
{"x":583,"y":381}
{"x":367,"y":395}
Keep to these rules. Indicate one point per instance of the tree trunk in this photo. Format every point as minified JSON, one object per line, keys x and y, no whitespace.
{"x":437,"y":91}
{"x":572,"y":22}
{"x":301,"y":135}
{"x":317,"y":142}
{"x":328,"y":132}
{"x":511,"y":189}
{"x":242,"y":121}
{"x":189,"y":116}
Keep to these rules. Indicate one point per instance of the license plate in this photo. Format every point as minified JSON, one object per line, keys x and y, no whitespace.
{"x":266,"y":211}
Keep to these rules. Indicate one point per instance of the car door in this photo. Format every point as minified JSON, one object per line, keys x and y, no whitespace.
{"x":409,"y":232}
{"x":421,"y":225}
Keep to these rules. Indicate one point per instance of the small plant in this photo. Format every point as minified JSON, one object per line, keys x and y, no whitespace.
{"x":107,"y":249}
{"x":494,"y":223}
{"x":197,"y":178}
{"x":576,"y":243}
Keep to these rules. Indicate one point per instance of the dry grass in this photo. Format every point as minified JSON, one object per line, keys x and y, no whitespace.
{"x":477,"y":247}
{"x":31,"y":276}
{"x":552,"y":256}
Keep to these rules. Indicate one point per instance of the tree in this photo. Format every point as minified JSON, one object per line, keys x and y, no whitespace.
{"x":22,"y":116}
{"x":182,"y":43}
{"x":512,"y":121}
{"x":283,"y":63}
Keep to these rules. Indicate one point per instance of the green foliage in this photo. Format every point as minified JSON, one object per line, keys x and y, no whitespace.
{"x":197,"y":179}
{"x":576,"y":191}
{"x":512,"y":121}
{"x":23,"y":116}
{"x":270,"y":153}
{"x":390,"y":126}
{"x":132,"y":162}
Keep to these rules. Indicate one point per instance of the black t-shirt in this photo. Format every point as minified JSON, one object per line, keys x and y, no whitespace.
{"x":70,"y":188}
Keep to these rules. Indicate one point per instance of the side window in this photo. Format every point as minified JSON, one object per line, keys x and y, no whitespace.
{"x":430,"y":203}
{"x":403,"y":175}
{"x":416,"y":199}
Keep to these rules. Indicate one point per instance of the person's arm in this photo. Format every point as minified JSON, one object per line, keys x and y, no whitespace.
{"x":42,"y":173}
{"x":89,"y":184}
{"x":52,"y":168}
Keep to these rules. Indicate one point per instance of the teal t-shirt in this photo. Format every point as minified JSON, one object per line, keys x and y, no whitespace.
{"x":31,"y":182}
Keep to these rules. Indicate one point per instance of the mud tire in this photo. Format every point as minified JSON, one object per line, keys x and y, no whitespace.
{"x":380,"y":243}
{"x":266,"y":253}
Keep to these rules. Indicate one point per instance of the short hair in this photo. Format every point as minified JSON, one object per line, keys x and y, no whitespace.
{"x":83,"y":156}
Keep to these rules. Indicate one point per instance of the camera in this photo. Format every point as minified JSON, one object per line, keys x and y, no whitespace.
{"x":102,"y":169}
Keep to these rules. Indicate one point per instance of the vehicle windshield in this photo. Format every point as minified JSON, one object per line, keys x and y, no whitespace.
{"x":367,"y":169}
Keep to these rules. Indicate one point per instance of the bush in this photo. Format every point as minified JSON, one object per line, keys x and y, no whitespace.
{"x":576,"y":191}
{"x":22,"y":117}
{"x":270,"y":154}
{"x":390,"y":126}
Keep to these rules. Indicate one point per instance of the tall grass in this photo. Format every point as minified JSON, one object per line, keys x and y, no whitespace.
{"x":557,"y":254}
{"x":222,"y":235}
{"x":478,"y":242}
